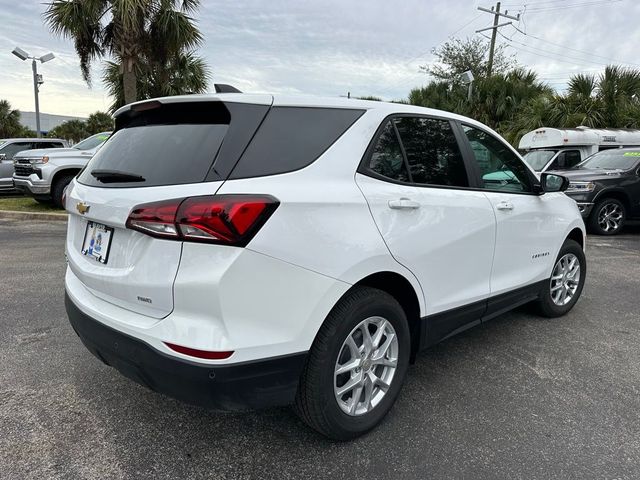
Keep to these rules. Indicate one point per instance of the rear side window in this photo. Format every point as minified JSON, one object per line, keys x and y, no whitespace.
{"x":386,"y":158}
{"x":432,"y":151}
{"x":291,"y":138}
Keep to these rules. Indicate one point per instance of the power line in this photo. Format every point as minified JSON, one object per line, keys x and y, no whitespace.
{"x":572,"y":49}
{"x":547,"y":53}
{"x":572,"y":5}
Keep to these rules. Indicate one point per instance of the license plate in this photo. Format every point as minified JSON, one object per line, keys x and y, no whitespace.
{"x":97,"y":241}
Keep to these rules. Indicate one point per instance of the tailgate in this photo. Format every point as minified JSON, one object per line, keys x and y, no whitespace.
{"x":139,"y":271}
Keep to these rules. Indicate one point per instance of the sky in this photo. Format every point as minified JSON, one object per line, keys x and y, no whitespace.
{"x":331,"y":47}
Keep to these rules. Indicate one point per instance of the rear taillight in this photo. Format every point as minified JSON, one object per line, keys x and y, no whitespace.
{"x":221,"y":219}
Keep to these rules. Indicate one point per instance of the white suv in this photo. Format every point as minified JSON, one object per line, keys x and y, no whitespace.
{"x":242,"y":251}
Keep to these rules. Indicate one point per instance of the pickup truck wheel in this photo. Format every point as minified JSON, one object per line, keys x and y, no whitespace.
{"x":58,"y":189}
{"x":356,"y":365}
{"x":607,"y":217}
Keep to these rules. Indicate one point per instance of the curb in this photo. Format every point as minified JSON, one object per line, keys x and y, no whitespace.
{"x":14,"y":215}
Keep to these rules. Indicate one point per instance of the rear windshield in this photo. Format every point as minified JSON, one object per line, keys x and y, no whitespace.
{"x":154,"y":155}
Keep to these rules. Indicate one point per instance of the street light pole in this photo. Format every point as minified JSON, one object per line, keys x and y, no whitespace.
{"x":36,"y":88}
{"x":37,"y":79}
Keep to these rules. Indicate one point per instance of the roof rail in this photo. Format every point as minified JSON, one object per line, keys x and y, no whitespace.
{"x":224,"y":88}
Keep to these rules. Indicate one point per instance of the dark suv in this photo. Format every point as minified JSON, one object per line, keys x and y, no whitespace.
{"x":606,"y":187}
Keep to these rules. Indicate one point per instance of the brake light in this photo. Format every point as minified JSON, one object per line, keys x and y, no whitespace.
{"x":192,"y":352}
{"x":221,"y":219}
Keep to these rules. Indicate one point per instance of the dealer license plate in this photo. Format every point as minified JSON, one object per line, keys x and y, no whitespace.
{"x":97,"y":240}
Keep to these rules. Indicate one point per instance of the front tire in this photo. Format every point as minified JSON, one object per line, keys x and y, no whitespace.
{"x":566,"y":283}
{"x":607,"y":217}
{"x":356,"y":365}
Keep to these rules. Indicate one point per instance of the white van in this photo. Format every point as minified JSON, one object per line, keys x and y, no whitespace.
{"x":561,"y":149}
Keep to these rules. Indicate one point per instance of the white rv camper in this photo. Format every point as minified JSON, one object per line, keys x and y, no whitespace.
{"x":560,"y":149}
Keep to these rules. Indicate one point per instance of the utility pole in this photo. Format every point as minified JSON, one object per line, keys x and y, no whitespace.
{"x":496,"y":17}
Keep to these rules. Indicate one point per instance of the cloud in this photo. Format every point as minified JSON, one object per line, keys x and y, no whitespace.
{"x":331,"y":47}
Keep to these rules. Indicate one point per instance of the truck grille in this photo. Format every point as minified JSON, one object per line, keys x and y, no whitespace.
{"x":23,"y":169}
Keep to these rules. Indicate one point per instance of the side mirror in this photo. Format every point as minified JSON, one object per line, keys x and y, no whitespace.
{"x":551,"y":182}
{"x":3,"y":156}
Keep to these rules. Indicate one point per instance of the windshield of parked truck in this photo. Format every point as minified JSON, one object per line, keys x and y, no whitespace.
{"x":537,"y":159}
{"x":611,"y":160}
{"x":93,"y":141}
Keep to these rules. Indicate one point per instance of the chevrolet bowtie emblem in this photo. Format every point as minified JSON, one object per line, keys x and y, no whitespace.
{"x":82,"y":207}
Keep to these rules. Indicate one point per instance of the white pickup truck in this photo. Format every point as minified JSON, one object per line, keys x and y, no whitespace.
{"x":44,"y":174}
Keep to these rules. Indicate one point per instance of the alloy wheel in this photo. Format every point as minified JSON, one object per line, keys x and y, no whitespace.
{"x":366,"y":365}
{"x":565,"y":279}
{"x":610,"y":217}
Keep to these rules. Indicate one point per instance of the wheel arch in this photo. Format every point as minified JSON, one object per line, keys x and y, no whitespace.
{"x":63,"y":172}
{"x":617,"y":194}
{"x":577,"y":235}
{"x":400,"y":288}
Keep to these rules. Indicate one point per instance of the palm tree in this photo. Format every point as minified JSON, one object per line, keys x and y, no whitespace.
{"x":74,"y":130}
{"x":133,"y":32}
{"x":183,"y":73}
{"x":10,"y":125}
{"x":99,"y":122}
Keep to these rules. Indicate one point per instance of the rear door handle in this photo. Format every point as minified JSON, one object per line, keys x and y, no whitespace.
{"x":403,"y":204}
{"x":504,"y":205}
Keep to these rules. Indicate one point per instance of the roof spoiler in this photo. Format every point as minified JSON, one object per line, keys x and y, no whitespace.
{"x":224,"y":88}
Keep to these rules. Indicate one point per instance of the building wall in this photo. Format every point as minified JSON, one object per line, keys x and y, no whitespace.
{"x":47,"y":120}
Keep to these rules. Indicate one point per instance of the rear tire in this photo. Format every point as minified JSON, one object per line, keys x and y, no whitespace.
{"x":342,"y":344}
{"x":58,"y":189}
{"x":566,"y":283}
{"x":607,"y":217}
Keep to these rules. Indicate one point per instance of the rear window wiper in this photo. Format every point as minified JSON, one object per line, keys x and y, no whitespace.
{"x":113,"y":176}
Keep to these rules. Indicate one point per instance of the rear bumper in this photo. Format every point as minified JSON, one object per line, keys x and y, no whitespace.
{"x":31,"y":186}
{"x":254,"y":384}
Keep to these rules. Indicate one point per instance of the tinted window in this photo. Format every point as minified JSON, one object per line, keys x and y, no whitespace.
{"x":501,"y":169}
{"x":161,"y":154}
{"x":386,"y":158}
{"x":291,"y":138}
{"x":432,"y":152}
{"x":47,"y":145}
{"x":566,"y":159}
{"x":11,"y":149}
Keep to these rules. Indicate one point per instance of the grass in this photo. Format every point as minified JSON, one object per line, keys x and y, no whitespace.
{"x":27,"y":204}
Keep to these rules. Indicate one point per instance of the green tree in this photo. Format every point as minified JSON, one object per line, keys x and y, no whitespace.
{"x":10,"y":125}
{"x":180,"y":74}
{"x":137,"y":34}
{"x":99,"y":122}
{"x":496,"y":100}
{"x":608,"y":100}
{"x":457,"y":56}
{"x":73,"y":130}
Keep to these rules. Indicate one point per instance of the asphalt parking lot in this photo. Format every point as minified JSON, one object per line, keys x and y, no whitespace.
{"x":519,"y":397}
